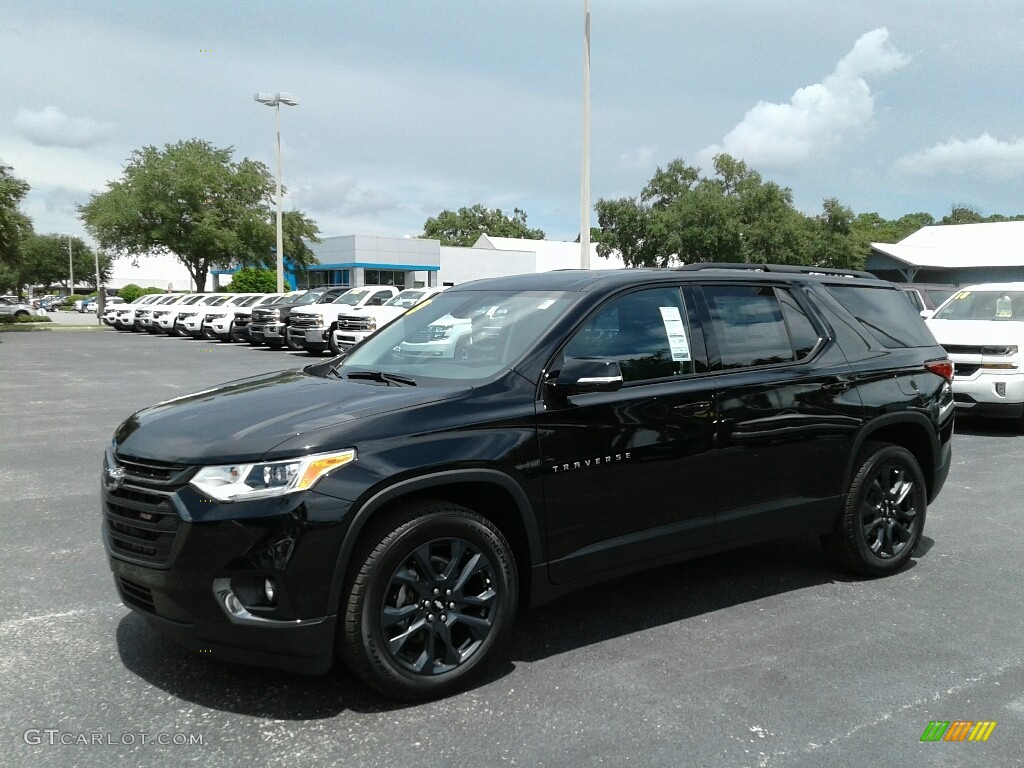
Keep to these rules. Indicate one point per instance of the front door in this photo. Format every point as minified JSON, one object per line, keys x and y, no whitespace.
{"x":630,"y":475}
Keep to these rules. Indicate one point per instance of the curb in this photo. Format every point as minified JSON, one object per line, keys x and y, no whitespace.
{"x":29,"y":328}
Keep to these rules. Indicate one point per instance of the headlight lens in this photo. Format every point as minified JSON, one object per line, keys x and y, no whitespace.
{"x":238,"y":482}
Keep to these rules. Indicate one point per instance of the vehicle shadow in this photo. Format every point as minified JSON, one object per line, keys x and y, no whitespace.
{"x":676,"y":593}
{"x":982,"y":427}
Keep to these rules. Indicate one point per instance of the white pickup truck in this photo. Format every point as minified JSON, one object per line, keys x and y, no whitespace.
{"x":353,"y":327}
{"x":310,"y":327}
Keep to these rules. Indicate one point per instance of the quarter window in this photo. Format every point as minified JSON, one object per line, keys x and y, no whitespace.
{"x":750,"y":326}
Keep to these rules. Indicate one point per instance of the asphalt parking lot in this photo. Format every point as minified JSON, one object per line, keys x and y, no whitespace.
{"x":769,"y":656}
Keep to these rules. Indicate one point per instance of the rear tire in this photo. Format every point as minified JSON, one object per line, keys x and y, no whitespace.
{"x":884,"y":515}
{"x":433,"y":596}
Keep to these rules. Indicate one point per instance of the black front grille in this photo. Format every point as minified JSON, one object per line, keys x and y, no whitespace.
{"x":353,"y":323}
{"x":959,"y":397}
{"x":241,"y":321}
{"x":139,"y":513}
{"x":136,"y":595}
{"x":264,"y":315}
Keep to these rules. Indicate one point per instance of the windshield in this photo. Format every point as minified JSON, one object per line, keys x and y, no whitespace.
{"x":465,"y":335}
{"x":983,"y":305}
{"x":405,"y":299}
{"x":351,"y":297}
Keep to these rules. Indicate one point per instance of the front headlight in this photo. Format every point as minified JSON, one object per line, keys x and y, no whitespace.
{"x":238,"y":482}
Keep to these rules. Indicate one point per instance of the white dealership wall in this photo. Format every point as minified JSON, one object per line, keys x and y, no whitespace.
{"x":156,"y":271}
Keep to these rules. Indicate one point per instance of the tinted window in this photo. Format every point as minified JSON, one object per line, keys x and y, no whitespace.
{"x":802,"y":333}
{"x":645,"y":331}
{"x":886,"y":313}
{"x":748,"y":323}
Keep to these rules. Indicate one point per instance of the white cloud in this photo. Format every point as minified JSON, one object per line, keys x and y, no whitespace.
{"x":817,"y":116}
{"x":984,"y":156}
{"x":50,"y":127}
{"x":638,"y":159}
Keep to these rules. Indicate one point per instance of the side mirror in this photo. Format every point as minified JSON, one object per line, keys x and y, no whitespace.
{"x":589,"y":374}
{"x":927,"y":313}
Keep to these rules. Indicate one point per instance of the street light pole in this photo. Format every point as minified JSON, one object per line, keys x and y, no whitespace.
{"x":585,"y":175}
{"x":71,"y":270}
{"x":99,"y":300}
{"x":275,"y":100}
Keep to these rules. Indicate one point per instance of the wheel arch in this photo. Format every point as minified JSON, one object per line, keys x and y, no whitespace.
{"x":488,"y":492}
{"x":908,"y":430}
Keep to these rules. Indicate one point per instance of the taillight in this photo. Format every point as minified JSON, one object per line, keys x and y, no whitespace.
{"x":943,"y":368}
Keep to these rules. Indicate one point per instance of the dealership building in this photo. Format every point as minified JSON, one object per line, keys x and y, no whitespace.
{"x":406,"y":262}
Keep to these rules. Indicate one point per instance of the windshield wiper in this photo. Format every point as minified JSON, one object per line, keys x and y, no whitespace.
{"x":384,"y":378}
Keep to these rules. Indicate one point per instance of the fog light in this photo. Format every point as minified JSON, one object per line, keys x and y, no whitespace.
{"x":268,"y":590}
{"x":233,"y":604}
{"x":1001,"y":389}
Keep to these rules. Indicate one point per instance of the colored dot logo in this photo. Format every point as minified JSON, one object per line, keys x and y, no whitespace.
{"x":206,"y":50}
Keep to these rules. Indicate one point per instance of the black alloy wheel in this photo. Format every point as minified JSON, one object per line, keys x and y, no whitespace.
{"x":885,"y":511}
{"x":434,"y":596}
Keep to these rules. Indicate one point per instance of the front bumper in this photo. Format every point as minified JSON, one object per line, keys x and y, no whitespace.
{"x":176,"y":554}
{"x":988,"y":392}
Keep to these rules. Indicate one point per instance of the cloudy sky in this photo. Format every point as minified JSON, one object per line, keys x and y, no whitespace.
{"x":409,"y":107}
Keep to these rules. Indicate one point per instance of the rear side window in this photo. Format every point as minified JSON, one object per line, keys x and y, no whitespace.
{"x":886,"y":314}
{"x":750,"y":327}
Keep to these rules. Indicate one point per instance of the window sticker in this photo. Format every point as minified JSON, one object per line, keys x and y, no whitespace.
{"x":676,"y":331}
{"x":545,"y":304}
{"x":963,"y":295}
{"x":1004,"y":306}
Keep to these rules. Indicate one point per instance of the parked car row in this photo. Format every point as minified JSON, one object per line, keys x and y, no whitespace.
{"x":315,"y":320}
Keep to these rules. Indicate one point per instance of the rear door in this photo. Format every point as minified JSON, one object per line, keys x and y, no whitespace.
{"x":786,"y":410}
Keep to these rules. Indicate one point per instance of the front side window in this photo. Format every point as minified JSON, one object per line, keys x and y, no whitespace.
{"x":645,"y":332}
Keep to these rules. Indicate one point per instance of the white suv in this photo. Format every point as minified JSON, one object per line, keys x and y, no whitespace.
{"x":124,"y":314}
{"x":355,"y":326}
{"x":310,"y":327}
{"x":982,"y":329}
{"x":217,"y":324}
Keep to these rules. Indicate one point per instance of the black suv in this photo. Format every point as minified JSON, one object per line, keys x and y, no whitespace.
{"x":516,"y":438}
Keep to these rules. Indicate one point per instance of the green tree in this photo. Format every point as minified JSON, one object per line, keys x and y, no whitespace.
{"x":961,"y":213}
{"x":253,"y":280}
{"x":684,"y":217}
{"x":191,"y":200}
{"x":45,"y":261}
{"x":831,"y":240}
{"x":130,"y":292}
{"x":296,"y":229}
{"x":15,"y":226}
{"x":465,"y":226}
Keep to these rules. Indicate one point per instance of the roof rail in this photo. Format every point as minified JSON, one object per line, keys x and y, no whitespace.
{"x":797,"y":268}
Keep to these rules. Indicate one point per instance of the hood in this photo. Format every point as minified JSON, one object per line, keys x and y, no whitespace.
{"x":244,"y":420}
{"x":977,"y":332}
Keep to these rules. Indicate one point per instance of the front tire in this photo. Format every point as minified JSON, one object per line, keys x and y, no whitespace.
{"x":433,"y":597}
{"x":884,"y":515}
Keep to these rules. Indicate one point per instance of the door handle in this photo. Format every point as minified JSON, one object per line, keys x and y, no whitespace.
{"x":702,"y":405}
